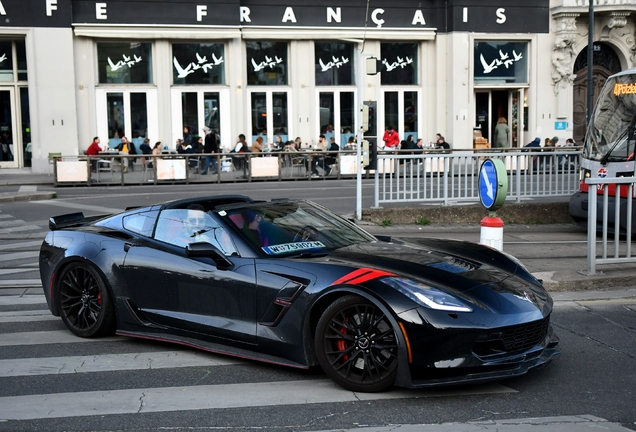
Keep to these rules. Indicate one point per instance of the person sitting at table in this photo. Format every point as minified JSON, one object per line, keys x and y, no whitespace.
{"x":145,"y":147}
{"x":278,"y":143}
{"x":257,"y":146}
{"x":240,"y":147}
{"x":156,"y":150}
{"x":332,"y":157}
{"x":126,"y":147}
{"x":319,"y":161}
{"x":93,"y":150}
{"x":186,"y":148}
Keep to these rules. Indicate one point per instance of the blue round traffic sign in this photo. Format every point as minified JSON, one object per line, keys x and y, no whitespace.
{"x":493,"y":184}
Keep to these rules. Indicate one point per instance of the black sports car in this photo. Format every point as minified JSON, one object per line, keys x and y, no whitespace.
{"x":291,"y":283}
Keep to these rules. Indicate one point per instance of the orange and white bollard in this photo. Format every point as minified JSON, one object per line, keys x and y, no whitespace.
{"x":492,"y":232}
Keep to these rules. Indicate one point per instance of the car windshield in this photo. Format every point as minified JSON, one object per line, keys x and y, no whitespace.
{"x":611,"y":136}
{"x":293,"y":228}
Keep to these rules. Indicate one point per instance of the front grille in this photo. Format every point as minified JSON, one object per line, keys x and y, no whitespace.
{"x":525,"y":336}
{"x":513,"y":339}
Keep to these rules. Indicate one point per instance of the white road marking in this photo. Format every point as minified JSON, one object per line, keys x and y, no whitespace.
{"x":49,"y":337}
{"x":147,"y":400}
{"x":577,"y":423}
{"x":19,"y":255}
{"x":18,"y":270}
{"x":112,"y":362}
{"x":21,"y":245}
{"x":27,"y":316}
{"x":76,"y":206}
{"x":22,"y":300}
{"x":20,"y":229}
{"x":17,"y":283}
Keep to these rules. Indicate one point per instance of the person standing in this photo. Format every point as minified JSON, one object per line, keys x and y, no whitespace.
{"x":501,"y":133}
{"x":391,"y":138}
{"x":210,"y":148}
{"x":188,"y":138}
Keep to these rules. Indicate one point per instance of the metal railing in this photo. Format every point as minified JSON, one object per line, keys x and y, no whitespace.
{"x":617,"y":218}
{"x":108,"y":168}
{"x":452,"y":177}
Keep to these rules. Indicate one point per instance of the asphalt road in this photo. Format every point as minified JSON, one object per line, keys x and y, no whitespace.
{"x":595,"y":375}
{"x":42,"y":367}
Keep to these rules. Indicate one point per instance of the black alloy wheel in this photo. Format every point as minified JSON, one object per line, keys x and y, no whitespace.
{"x":85,"y":304}
{"x":357,"y":346}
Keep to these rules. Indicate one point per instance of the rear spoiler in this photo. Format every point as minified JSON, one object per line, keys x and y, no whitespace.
{"x":71,"y":219}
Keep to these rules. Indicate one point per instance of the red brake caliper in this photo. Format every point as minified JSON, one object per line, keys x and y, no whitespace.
{"x":341,"y":344}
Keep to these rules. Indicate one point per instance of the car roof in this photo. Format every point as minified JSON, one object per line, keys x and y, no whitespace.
{"x":208,"y":203}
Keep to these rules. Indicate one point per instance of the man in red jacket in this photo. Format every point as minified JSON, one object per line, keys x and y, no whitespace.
{"x":391,"y":139}
{"x":94,"y":148}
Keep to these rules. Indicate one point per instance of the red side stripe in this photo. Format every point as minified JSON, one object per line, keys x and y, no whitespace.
{"x":361,"y":275}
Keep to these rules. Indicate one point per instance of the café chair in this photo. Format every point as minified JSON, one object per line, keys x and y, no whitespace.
{"x":297,"y":163}
{"x":105,"y":165}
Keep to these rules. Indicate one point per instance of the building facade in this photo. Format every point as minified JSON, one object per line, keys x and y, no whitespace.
{"x":74,"y":69}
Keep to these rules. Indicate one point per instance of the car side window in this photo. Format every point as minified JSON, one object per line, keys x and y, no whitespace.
{"x":181,"y":227}
{"x":141,"y":223}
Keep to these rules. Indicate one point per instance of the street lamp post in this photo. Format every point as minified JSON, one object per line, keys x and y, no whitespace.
{"x":590,"y":62}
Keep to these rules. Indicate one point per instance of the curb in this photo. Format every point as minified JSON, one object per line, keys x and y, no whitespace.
{"x":511,"y":213}
{"x":30,"y":196}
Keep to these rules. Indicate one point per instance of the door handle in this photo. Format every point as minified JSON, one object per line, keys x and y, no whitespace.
{"x":127,"y":246}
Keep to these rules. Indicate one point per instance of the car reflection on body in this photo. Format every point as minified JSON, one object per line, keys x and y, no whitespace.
{"x":291,"y":283}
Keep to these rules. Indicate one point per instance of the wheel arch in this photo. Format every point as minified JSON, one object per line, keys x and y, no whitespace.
{"x":55,"y":291}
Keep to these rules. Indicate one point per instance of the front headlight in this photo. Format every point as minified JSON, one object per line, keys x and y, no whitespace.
{"x":427,"y":296}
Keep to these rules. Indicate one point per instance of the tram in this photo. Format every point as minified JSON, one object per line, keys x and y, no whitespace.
{"x":609,"y":147}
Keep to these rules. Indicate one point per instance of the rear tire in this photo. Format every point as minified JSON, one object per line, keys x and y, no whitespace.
{"x":357,"y":346}
{"x":84,"y":302}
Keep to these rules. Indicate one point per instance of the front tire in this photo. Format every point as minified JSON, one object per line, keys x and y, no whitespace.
{"x":356,"y":345}
{"x":84,"y":302}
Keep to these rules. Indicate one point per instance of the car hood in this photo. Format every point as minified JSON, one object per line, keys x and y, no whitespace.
{"x":480,"y":272}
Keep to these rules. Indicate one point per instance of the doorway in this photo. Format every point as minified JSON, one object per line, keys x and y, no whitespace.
{"x":269,"y":114}
{"x":401,"y":110}
{"x":336,"y":115}
{"x":197,"y":108}
{"x":129,"y":113}
{"x":491,"y":105}
{"x":8,"y":147}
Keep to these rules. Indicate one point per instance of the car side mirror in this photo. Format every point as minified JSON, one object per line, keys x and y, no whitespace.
{"x":208,"y":250}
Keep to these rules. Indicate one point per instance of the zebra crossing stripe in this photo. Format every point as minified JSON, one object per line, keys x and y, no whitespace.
{"x":27,"y":316}
{"x":49,"y":337}
{"x":149,"y":400}
{"x":22,"y":300}
{"x":14,"y":256}
{"x":112,"y":362}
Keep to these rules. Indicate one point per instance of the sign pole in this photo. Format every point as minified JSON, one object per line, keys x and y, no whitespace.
{"x":493,"y":188}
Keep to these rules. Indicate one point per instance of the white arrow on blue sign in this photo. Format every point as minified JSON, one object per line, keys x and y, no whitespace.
{"x":488,"y":184}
